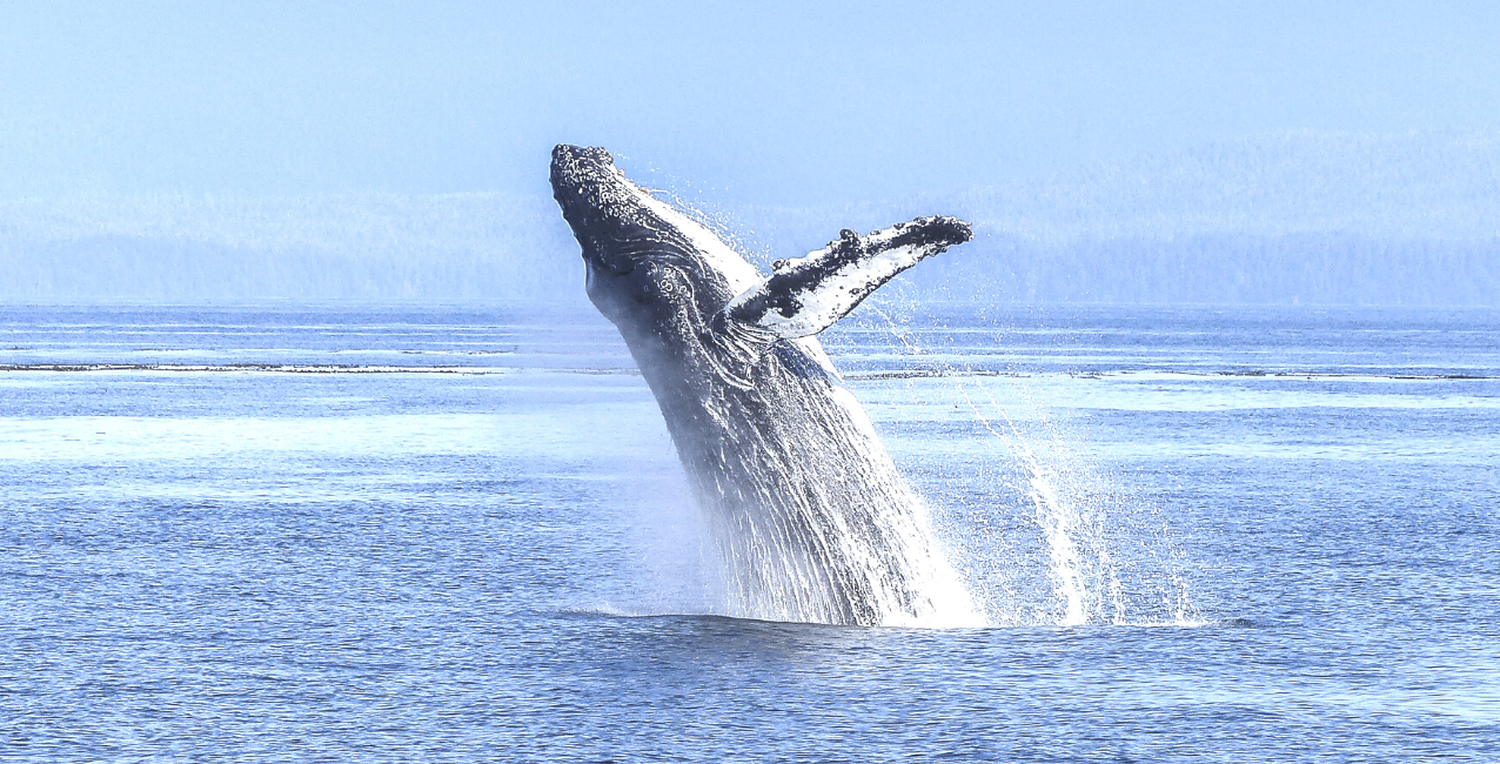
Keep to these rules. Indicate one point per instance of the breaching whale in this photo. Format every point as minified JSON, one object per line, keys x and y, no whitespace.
{"x":812,"y":520}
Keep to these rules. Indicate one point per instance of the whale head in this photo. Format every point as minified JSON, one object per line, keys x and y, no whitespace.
{"x":604,"y":209}
{"x":648,"y":264}
{"x":676,"y":291}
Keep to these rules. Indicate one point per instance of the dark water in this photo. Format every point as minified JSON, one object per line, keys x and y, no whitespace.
{"x":347,"y":534}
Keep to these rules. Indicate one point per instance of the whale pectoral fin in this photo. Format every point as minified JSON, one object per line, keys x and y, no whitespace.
{"x":806,"y":295}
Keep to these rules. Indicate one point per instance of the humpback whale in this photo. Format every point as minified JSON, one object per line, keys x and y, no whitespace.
{"x":808,"y":512}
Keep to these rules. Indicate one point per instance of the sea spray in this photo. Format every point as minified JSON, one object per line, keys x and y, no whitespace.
{"x":1060,"y":524}
{"x":785,"y":557}
{"x":1094,"y":553}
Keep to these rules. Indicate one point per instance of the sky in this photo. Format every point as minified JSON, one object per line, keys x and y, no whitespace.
{"x":756,"y":103}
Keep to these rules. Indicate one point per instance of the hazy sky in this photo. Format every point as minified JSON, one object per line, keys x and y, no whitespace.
{"x":757,"y":102}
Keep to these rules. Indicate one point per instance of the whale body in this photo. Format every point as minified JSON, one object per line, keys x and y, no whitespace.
{"x":807,"y":509}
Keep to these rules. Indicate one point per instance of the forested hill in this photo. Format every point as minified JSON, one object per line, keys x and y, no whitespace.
{"x":1300,"y":218}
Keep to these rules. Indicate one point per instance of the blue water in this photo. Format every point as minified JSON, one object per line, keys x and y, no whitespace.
{"x":359,"y":534}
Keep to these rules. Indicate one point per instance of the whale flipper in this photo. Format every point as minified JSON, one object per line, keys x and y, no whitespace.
{"x":805,"y":295}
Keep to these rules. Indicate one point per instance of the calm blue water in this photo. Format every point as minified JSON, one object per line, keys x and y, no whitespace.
{"x":281,"y":534}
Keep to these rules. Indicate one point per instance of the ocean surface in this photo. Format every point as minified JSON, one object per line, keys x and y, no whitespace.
{"x":396,"y":534}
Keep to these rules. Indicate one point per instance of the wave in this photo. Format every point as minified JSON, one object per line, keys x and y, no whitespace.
{"x":616,"y":612}
{"x":853,"y":376}
{"x":939,"y":373}
{"x":309,"y":368}
{"x":276,"y":368}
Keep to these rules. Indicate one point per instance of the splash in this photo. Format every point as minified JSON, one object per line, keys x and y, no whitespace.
{"x":1085,"y":551}
{"x":854,"y":546}
{"x":1060,"y":524}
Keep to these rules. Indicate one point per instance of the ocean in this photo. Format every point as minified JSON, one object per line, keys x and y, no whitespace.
{"x":356,"y":533}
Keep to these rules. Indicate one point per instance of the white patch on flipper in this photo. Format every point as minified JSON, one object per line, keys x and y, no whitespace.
{"x":829,"y":299}
{"x":806,"y":295}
